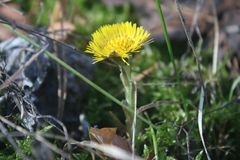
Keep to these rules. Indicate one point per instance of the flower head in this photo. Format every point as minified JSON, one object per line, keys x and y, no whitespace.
{"x":117,"y":41}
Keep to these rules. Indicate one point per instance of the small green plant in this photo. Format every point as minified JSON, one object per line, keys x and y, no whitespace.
{"x":118,"y":42}
{"x":26,"y":146}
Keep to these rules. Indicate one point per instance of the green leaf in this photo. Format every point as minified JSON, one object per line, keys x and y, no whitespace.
{"x":199,"y":156}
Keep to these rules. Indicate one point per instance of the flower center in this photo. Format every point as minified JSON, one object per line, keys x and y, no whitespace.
{"x":120,"y":46}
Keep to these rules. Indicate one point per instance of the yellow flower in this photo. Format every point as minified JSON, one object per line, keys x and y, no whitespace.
{"x":117,"y":41}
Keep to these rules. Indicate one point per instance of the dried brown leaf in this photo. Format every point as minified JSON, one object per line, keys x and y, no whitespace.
{"x":102,"y":136}
{"x":109,"y":136}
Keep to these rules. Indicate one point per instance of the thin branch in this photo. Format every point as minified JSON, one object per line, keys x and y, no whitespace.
{"x":190,"y":42}
{"x":65,"y":132}
{"x":155,"y":104}
{"x":199,"y":5}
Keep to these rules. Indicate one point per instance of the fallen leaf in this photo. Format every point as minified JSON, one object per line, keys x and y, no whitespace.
{"x":121,"y":143}
{"x":102,"y":136}
{"x":109,"y":136}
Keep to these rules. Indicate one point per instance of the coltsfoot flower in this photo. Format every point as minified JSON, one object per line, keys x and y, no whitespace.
{"x":117,"y":41}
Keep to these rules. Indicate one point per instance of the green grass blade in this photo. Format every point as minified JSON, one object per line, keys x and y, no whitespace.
{"x":200,"y":122}
{"x":234,"y":86}
{"x":154,"y":139}
{"x":166,"y":35}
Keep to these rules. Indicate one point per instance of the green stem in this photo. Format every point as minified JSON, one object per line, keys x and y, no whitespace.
{"x":166,"y":35}
{"x":154,"y":139}
{"x":130,"y":93}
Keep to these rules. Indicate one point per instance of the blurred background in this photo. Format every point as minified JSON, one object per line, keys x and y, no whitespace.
{"x":213,"y":26}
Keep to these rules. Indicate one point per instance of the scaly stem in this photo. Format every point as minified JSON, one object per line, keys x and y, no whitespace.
{"x":130,"y":95}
